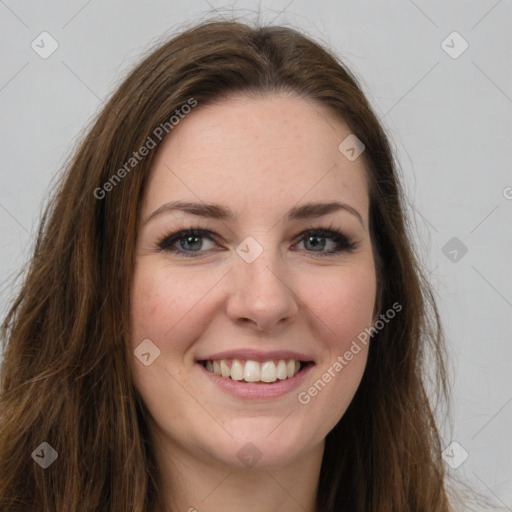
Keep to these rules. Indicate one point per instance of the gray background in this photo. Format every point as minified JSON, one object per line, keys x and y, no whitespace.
{"x":449,"y":119}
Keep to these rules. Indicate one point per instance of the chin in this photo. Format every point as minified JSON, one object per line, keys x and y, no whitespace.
{"x":262,"y":443}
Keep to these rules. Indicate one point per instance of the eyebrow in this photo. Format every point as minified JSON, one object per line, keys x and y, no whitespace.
{"x":218,"y":212}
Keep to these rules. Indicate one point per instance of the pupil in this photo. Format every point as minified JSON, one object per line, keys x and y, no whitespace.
{"x":315,"y":244}
{"x":188,"y":241}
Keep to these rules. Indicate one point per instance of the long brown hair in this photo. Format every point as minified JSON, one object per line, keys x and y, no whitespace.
{"x":65,"y":376}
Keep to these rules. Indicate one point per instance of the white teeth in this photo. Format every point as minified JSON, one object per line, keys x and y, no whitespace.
{"x":237,"y":370}
{"x":290,"y":367}
{"x":282,"y":372}
{"x":253,"y":371}
{"x":224,"y":368}
{"x":268,"y":371}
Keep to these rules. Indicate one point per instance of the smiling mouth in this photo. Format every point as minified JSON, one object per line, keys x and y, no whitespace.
{"x":250,"y":371}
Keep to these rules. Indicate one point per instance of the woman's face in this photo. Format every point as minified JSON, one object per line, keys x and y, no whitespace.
{"x":253,"y":294}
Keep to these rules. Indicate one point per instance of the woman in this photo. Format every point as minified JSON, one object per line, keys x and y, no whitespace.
{"x":223,"y":309}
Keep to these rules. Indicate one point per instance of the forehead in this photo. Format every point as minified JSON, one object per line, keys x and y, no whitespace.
{"x":267,"y":152}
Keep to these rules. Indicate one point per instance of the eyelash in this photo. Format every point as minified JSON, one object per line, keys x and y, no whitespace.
{"x":343,"y":244}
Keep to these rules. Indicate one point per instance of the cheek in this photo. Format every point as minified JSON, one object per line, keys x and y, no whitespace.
{"x":166,"y":309}
{"x":341,"y":303}
{"x":167,"y":306}
{"x":342,"y":309}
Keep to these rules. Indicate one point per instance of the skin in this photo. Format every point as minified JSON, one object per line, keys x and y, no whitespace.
{"x":259,"y":156}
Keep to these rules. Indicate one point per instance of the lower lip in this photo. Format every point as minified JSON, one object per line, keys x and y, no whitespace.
{"x":255,"y":391}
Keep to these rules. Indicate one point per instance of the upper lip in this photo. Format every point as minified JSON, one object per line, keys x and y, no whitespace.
{"x":257,"y":355}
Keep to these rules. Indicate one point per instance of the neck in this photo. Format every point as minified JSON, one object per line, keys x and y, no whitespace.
{"x":190,"y":483}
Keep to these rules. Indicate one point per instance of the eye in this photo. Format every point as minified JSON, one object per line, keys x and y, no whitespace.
{"x":315,"y":241}
{"x":190,"y":241}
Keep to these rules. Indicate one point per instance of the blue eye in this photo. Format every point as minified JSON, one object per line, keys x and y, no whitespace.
{"x":314,"y":238}
{"x":190,"y":242}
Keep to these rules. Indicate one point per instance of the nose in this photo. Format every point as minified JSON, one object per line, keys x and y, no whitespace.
{"x":261,"y":294}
